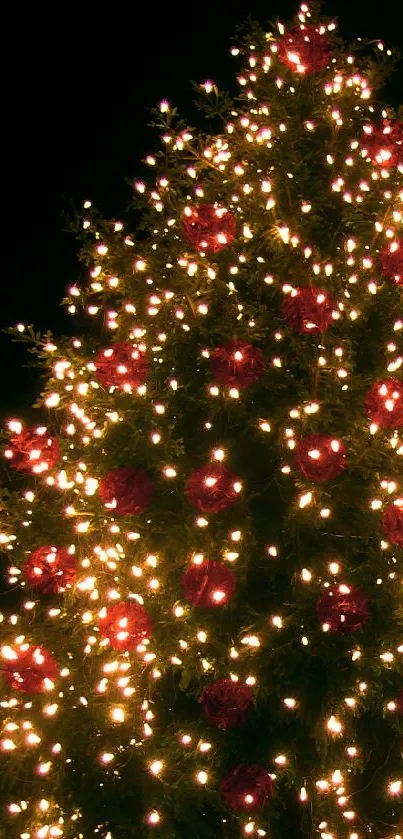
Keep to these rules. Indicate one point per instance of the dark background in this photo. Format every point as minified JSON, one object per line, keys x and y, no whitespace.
{"x":78,"y":83}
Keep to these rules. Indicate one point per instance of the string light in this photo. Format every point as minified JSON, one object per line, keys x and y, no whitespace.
{"x":122,"y":563}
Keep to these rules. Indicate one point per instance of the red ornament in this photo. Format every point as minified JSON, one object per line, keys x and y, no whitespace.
{"x":226,"y":703}
{"x":342,"y":609}
{"x":384,"y":142}
{"x":320,"y":457}
{"x":237,"y":364}
{"x":123,"y":365}
{"x":208,"y":228}
{"x":391,"y":262}
{"x":384,"y":403}
{"x":213,"y":488}
{"x":50,"y":569}
{"x":392,"y":522}
{"x":208,"y":583}
{"x":30,"y":670}
{"x":399,"y":703}
{"x":247,"y":788}
{"x":33,"y":450}
{"x":126,"y":491}
{"x":125,"y":624}
{"x":305,"y":49}
{"x":309,"y":310}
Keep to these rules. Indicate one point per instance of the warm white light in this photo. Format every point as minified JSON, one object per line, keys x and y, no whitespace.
{"x":395,"y":787}
{"x":153,"y":818}
{"x":156,"y":767}
{"x":118,"y":715}
{"x":334,"y":725}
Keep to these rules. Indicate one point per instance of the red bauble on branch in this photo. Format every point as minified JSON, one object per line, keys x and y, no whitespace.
{"x":309,"y":310}
{"x":384,"y":403}
{"x":320,"y":457}
{"x":29,"y":669}
{"x":342,"y":609}
{"x":391,"y":262}
{"x":306,"y":49}
{"x":126,"y":625}
{"x":208,"y":583}
{"x":33,"y":450}
{"x":123,"y":365}
{"x":226,"y":703}
{"x":392,"y":522}
{"x":50,"y":569}
{"x":213,"y":488}
{"x":384,"y":142}
{"x":237,"y":364}
{"x":209,"y":228}
{"x":247,"y":788}
{"x":126,"y":491}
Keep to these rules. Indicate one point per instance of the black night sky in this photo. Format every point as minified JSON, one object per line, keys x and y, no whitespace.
{"x":78,"y":83}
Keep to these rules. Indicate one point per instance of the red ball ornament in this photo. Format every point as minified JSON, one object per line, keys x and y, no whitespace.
{"x":247,"y":788}
{"x":320,"y":457}
{"x":213,"y":488}
{"x":384,"y":403}
{"x":309,"y":310}
{"x":305,"y":49}
{"x":30,"y":669}
{"x":392,"y":522}
{"x":126,"y":491}
{"x":226,"y":703}
{"x":391,"y":262}
{"x":208,"y":583}
{"x":50,"y":569}
{"x":237,"y":364}
{"x":126,"y":625}
{"x":399,"y":703}
{"x":342,"y":609}
{"x":123,"y":366}
{"x":208,"y":228}
{"x":384,"y":142}
{"x":33,"y":450}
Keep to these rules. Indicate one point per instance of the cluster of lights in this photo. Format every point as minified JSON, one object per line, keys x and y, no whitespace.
{"x":119,"y":564}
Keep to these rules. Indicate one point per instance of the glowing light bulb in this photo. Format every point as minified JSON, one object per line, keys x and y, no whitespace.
{"x":395,"y":787}
{"x":153,"y":818}
{"x":334,"y":725}
{"x":118,"y":715}
{"x":156,"y":767}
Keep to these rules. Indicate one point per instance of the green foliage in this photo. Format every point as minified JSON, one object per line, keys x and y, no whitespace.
{"x":147,"y":285}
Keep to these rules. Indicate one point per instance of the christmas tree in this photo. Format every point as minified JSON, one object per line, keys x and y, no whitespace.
{"x":203,"y":532}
